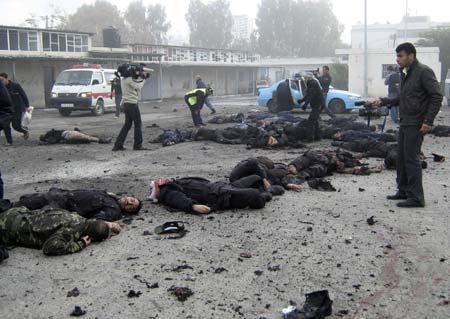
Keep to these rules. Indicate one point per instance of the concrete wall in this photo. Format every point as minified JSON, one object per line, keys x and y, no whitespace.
{"x":378,"y":57}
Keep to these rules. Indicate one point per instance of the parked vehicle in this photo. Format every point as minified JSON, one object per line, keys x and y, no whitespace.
{"x":447,"y":87}
{"x":84,"y":87}
{"x":338,"y":101}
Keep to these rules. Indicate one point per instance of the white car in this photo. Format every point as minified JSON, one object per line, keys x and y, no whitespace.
{"x":85,"y":87}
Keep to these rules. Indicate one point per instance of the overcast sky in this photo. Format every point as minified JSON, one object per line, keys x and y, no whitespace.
{"x":349,"y":12}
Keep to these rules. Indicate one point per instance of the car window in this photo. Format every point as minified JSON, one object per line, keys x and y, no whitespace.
{"x":294,"y":86}
{"x":97,"y":76}
{"x":109,"y":76}
{"x":74,"y":78}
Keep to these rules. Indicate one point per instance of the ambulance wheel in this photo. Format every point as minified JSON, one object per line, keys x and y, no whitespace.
{"x":99,"y":108}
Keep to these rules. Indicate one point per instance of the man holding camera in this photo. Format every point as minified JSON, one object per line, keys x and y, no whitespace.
{"x":132,"y":84}
{"x":420,"y":100}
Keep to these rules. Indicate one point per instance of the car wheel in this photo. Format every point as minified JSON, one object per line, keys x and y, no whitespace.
{"x":99,"y":108}
{"x":337,"y":106}
{"x":64,"y":112}
{"x":272,"y":106}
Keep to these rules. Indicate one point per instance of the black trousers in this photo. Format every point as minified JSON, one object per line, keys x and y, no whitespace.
{"x":1,"y":186}
{"x":118,"y":99}
{"x":325,"y":107}
{"x":409,"y":167}
{"x":5,"y":122}
{"x":132,"y":116}
{"x":195,"y":112}
{"x":17,"y":122}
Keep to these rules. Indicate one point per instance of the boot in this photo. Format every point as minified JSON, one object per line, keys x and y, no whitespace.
{"x":317,"y":306}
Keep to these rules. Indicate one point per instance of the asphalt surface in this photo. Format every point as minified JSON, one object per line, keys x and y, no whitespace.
{"x":300,"y":242}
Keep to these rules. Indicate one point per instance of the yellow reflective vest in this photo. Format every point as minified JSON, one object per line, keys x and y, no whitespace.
{"x":192,"y":96}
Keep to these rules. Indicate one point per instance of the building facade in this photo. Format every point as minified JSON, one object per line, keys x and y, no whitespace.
{"x":243,"y":27}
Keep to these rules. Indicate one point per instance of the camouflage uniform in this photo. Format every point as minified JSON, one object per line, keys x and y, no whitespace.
{"x":56,"y":231}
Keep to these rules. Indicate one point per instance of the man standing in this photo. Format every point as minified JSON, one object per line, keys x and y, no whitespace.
{"x":201,"y":85}
{"x":6,"y":113}
{"x":20,"y":103}
{"x":325,"y":82}
{"x":195,"y":100}
{"x":116,"y":89}
{"x":420,"y":100}
{"x":393,"y":81}
{"x":131,"y":89}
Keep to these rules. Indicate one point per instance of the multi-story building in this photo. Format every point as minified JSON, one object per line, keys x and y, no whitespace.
{"x":243,"y":26}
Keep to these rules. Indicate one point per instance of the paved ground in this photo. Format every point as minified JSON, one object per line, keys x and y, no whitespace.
{"x":397,"y":268}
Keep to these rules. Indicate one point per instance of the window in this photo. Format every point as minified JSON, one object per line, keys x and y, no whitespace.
{"x":3,"y":39}
{"x":384,"y":69}
{"x":32,"y":41}
{"x":74,"y":78}
{"x":70,"y":43}
{"x":109,"y":77}
{"x":46,"y":41}
{"x":62,"y":42}
{"x":23,"y":40}
{"x":54,"y":44}
{"x":84,"y":43}
{"x":13,"y":40}
{"x":98,"y":76}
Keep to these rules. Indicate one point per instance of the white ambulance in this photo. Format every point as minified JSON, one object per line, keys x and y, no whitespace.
{"x":84,"y":87}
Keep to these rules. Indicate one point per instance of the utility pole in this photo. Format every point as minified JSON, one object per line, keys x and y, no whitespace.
{"x":366,"y":88}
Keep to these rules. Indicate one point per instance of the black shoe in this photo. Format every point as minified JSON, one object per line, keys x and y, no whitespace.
{"x":3,"y":254}
{"x":118,"y":148}
{"x":396,"y":196}
{"x":410,"y":203}
{"x":202,"y":124}
{"x":213,"y":111}
{"x":141,"y":148}
{"x":317,"y":306}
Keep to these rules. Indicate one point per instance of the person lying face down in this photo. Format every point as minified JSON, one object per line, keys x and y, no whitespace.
{"x":199,"y":195}
{"x":441,"y":131}
{"x":368,"y":147}
{"x":89,"y":203}
{"x":173,"y":136}
{"x":55,"y":231}
{"x":74,"y":136}
{"x":352,"y":136}
{"x":271,"y":173}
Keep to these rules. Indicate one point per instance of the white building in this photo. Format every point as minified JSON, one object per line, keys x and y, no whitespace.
{"x":382,"y":39}
{"x":409,"y":29}
{"x":378,"y":62}
{"x":243,"y":26}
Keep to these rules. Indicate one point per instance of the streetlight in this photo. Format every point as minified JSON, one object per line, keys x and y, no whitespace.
{"x":366,"y":88}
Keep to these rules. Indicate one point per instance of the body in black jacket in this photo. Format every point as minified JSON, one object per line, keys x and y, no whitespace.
{"x":89,"y":203}
{"x":419,"y":100}
{"x":182,"y":194}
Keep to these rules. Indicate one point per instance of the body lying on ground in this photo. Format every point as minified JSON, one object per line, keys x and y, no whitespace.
{"x":55,"y":231}
{"x":173,"y":136}
{"x":231,"y":118}
{"x":88,"y":203}
{"x":350,"y":136}
{"x":199,"y":195}
{"x":441,"y":131}
{"x":74,"y":136}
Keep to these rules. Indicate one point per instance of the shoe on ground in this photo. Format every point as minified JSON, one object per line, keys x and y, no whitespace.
{"x":141,"y":148}
{"x":7,"y":144}
{"x":26,"y":135}
{"x":213,"y":111}
{"x":318,"y":305}
{"x":409,"y":203}
{"x":396,"y":196}
{"x":118,"y":148}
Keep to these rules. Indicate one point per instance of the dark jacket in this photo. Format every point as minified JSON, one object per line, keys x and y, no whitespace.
{"x":420,"y":97}
{"x":89,"y":203}
{"x":201,"y":84}
{"x":313,"y":95}
{"x":325,"y":82}
{"x":18,"y":97}
{"x":393,"y":83}
{"x":183,"y":193}
{"x":116,"y":86}
{"x":6,"y":105}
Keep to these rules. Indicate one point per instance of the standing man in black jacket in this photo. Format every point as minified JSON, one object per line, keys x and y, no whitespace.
{"x":420,"y":100}
{"x":116,"y":88}
{"x":20,"y":103}
{"x":325,"y":82}
{"x":6,"y":113}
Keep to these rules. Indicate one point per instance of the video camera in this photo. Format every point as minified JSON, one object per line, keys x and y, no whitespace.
{"x":135,"y":71}
{"x":370,"y":111}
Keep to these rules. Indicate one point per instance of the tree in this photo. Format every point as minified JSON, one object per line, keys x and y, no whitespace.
{"x":146,"y":25}
{"x":54,"y":20}
{"x":297,"y":28}
{"x":210,"y":24}
{"x":94,"y":18}
{"x":439,"y":37}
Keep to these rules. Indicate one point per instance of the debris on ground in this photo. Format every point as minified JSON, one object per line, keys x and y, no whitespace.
{"x":438,"y":158}
{"x":371,"y":221}
{"x":181,"y":293}
{"x":171,"y":230}
{"x":318,"y":305}
{"x":73,"y":293}
{"x":77,"y":312}
{"x":134,"y":294}
{"x":321,"y":185}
